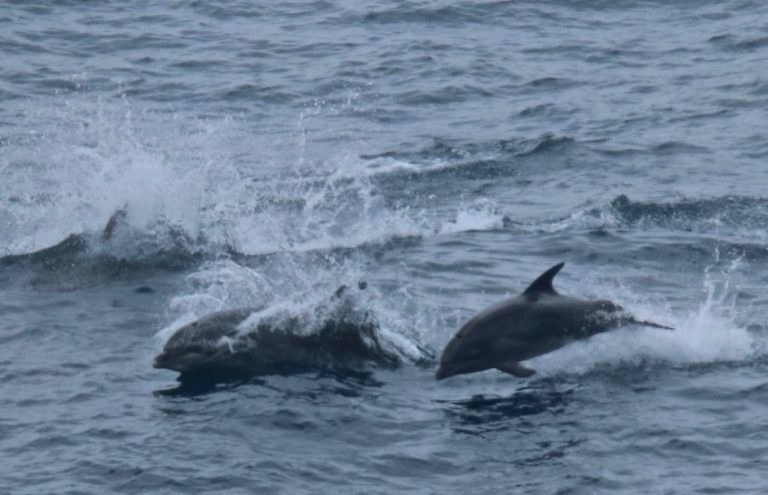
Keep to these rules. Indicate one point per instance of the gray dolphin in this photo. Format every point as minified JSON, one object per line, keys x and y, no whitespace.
{"x":534,"y":323}
{"x":346,"y":338}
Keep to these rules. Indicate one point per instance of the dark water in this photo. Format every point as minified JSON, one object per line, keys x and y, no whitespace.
{"x":446,"y":153}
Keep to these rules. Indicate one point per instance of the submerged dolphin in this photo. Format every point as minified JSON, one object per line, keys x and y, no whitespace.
{"x":534,"y":323}
{"x":71,"y":246}
{"x":344,"y":338}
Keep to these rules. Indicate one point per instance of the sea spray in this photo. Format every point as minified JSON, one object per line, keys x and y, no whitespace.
{"x":707,"y":333}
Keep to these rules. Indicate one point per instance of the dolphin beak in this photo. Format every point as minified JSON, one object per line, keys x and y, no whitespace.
{"x":159,"y":361}
{"x":442,"y":373}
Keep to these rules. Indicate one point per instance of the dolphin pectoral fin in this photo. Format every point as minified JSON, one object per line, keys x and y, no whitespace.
{"x":516,"y":369}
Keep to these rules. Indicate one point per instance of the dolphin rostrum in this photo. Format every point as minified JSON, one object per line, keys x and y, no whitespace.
{"x":534,"y":323}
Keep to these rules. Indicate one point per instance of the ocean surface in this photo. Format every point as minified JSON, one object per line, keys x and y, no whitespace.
{"x":446,"y":153}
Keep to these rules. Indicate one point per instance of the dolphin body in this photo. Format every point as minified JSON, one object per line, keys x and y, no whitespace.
{"x":344,"y":338}
{"x":534,"y":323}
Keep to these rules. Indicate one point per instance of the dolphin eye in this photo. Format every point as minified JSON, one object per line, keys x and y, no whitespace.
{"x":198,"y":349}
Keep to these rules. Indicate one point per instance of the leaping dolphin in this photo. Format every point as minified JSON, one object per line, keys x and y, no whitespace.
{"x":534,"y":323}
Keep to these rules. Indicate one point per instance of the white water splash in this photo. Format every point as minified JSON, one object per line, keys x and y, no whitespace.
{"x":174,"y":171}
{"x":582,"y":218}
{"x":481,"y":215}
{"x":93,"y":158}
{"x":214,"y":287}
{"x":709,"y":333}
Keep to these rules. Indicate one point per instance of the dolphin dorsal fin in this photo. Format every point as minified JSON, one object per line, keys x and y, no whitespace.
{"x":543,"y":284}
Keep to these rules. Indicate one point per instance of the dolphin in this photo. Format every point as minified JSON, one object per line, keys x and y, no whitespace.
{"x":68,"y":248}
{"x":534,"y":323}
{"x":343,"y":338}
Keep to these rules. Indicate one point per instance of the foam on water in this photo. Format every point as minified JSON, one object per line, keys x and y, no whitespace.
{"x":582,"y":218}
{"x":223,"y":284}
{"x":337,"y":203}
{"x":325,"y":211}
{"x":482,"y":214}
{"x":384,"y":166}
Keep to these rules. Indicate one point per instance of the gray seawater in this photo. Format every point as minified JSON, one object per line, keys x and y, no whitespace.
{"x":446,"y":153}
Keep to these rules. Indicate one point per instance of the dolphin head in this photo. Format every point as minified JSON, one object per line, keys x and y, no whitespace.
{"x":184,"y":359}
{"x":600,"y":316}
{"x":202,"y":342}
{"x":185,"y":355}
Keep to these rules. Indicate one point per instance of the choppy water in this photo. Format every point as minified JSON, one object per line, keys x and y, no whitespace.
{"x":445,"y":152}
